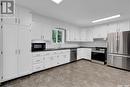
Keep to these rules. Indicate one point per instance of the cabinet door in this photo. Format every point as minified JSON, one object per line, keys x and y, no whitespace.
{"x":24,"y":45}
{"x":101,"y":31}
{"x":10,"y":55}
{"x":71,"y":35}
{"x":49,"y":61}
{"x":36,"y":31}
{"x":83,"y":36}
{"x":12,"y":19}
{"x":77,"y":35}
{"x":79,"y":54}
{"x":124,"y":26}
{"x":25,"y":17}
{"x":87,"y":53}
{"x":46,"y":32}
{"x":112,"y":28}
{"x":84,"y":53}
{"x":89,"y":35}
{"x":65,"y":58}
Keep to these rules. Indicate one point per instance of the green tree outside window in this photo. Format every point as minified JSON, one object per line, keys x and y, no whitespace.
{"x":57,"y":36}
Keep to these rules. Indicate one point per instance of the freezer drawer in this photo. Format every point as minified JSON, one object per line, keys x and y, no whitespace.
{"x":119,"y":61}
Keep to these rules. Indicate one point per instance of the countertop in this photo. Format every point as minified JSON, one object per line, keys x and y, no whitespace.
{"x":53,"y":49}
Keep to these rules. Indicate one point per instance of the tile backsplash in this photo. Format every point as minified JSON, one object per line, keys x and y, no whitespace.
{"x":64,"y":45}
{"x":95,"y":44}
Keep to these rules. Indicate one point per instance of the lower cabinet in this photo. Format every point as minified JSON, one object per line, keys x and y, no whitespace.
{"x":84,"y":53}
{"x":49,"y":59}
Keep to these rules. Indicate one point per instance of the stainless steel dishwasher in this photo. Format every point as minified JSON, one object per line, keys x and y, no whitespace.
{"x":73,"y":54}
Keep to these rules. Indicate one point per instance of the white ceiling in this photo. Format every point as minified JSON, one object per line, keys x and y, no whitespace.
{"x":79,"y":12}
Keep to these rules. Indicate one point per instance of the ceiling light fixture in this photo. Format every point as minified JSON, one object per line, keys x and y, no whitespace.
{"x":57,"y":1}
{"x":108,"y":18}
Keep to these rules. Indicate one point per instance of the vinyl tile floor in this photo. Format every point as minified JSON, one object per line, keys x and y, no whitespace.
{"x":78,"y":74}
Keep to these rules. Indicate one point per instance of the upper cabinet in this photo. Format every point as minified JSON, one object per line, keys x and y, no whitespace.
{"x":101,"y":31}
{"x":41,"y":31}
{"x":35,"y":31}
{"x":83,"y":35}
{"x":46,"y":32}
{"x":89,"y":35}
{"x":112,"y":28}
{"x":22,"y":17}
{"x":124,"y":26}
{"x":73,"y":35}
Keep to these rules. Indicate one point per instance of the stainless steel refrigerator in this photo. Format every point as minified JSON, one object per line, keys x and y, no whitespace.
{"x":119,"y":50}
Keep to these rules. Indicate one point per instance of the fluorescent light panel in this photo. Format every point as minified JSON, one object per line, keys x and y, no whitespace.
{"x":108,"y":18}
{"x":57,"y":1}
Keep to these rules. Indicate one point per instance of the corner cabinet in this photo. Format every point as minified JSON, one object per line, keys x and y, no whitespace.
{"x":16,"y":49}
{"x":84,"y":53}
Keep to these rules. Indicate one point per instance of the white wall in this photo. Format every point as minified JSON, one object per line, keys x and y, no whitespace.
{"x":52,"y":23}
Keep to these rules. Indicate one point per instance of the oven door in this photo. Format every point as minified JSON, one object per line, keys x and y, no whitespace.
{"x":36,"y":47}
{"x":99,"y":56}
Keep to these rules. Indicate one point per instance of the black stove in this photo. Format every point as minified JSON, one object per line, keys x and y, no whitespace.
{"x":99,"y":54}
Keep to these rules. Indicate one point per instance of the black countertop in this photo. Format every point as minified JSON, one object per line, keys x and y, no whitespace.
{"x":53,"y":49}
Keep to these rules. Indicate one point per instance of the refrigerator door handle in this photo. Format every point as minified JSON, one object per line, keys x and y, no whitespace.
{"x":117,"y":41}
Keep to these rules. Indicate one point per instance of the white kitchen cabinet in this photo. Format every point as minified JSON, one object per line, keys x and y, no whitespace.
{"x":73,"y":35}
{"x":55,"y":58}
{"x":70,"y":35}
{"x":124,"y":26}
{"x":63,"y":57}
{"x":10,"y":55}
{"x":24,"y":46}
{"x":10,"y":20}
{"x":38,"y":61}
{"x":60,"y":57}
{"x":37,"y":67}
{"x":22,"y":17}
{"x":41,"y":31}
{"x":16,"y":51}
{"x":35,"y":31}
{"x":89,"y":35}
{"x":46,"y":32}
{"x":112,"y":28}
{"x":83,"y":35}
{"x":84,"y":53}
{"x":49,"y":60}
{"x":66,"y":56}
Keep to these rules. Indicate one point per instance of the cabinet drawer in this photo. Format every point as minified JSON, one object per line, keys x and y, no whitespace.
{"x":37,"y":67}
{"x":37,"y":54}
{"x":37,"y":60}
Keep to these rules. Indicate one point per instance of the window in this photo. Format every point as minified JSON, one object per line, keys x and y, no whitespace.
{"x":58,"y":35}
